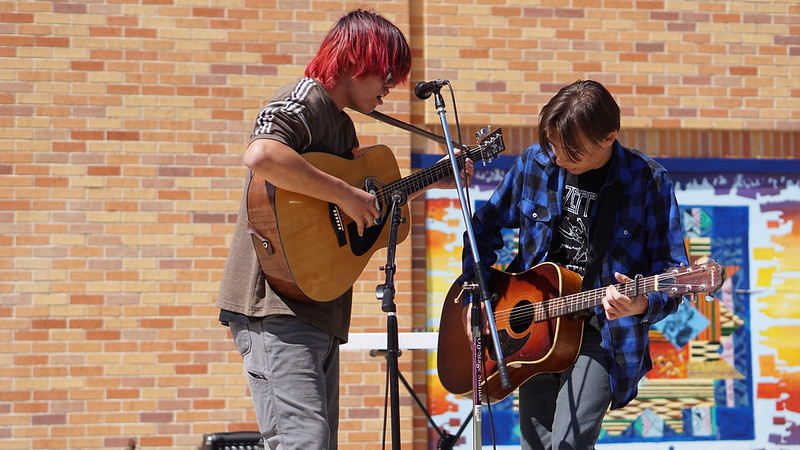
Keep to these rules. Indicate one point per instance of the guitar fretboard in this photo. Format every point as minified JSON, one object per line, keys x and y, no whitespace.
{"x":561,"y":306}
{"x":704,"y":278}
{"x":423,"y":178}
{"x":442,"y":169}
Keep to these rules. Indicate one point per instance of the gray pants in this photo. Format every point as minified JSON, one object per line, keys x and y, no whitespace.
{"x":565,"y":410}
{"x":293,"y":371}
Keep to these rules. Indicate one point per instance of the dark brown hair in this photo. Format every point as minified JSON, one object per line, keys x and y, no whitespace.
{"x":583,"y":110}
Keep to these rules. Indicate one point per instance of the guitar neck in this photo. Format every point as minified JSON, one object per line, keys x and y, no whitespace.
{"x":561,"y":306}
{"x":489,"y":147}
{"x":425,"y":177}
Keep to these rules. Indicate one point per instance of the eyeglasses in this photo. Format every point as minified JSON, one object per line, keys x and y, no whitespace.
{"x":388,"y":78}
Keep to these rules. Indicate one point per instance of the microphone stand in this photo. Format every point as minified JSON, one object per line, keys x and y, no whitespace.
{"x":483,"y":287}
{"x":385,"y":293}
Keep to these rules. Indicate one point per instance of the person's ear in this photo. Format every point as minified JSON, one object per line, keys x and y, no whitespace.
{"x":610,"y":138}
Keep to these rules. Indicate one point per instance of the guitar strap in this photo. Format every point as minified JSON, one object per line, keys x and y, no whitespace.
{"x":598,"y":244}
{"x":408,"y":127}
{"x":601,"y":234}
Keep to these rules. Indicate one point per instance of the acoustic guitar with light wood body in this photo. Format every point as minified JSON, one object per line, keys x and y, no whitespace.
{"x":308,"y":249}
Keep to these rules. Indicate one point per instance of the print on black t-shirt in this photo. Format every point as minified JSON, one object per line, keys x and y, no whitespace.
{"x":570,"y":246}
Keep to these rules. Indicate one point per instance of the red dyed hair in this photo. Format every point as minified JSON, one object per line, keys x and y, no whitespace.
{"x":363,"y":43}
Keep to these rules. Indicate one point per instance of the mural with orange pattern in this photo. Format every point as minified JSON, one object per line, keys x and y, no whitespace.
{"x":725,"y":368}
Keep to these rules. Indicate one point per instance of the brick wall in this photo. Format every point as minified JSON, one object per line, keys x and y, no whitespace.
{"x":122,"y":129}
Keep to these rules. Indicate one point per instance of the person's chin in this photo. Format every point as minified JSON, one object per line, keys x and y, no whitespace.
{"x":363,"y":110}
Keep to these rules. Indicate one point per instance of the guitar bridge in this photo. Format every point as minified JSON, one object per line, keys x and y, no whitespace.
{"x":338,"y":224}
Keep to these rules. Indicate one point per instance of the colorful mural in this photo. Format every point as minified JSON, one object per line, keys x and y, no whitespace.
{"x":725,"y":368}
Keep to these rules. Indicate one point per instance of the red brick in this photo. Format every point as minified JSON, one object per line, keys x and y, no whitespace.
{"x":103,"y":170}
{"x":21,"y":41}
{"x":743,"y":70}
{"x":123,"y":135}
{"x":156,"y":323}
{"x":15,"y":205}
{"x":158,"y":417}
{"x":49,"y":41}
{"x":51,"y":182}
{"x":30,"y":359}
{"x":49,"y":419}
{"x":105,"y":31}
{"x":16,"y":396}
{"x":156,"y":441}
{"x":48,"y":323}
{"x":122,"y":393}
{"x":86,"y":299}
{"x":726,"y":18}
{"x":7,"y":17}
{"x":208,"y":12}
{"x":141,"y":33}
{"x":208,"y":404}
{"x":87,"y":135}
{"x":103,"y":335}
{"x":183,"y":369}
{"x":87,"y":65}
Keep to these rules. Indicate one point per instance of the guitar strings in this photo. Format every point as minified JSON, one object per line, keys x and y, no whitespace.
{"x":556,"y":307}
{"x":674,"y":281}
{"x":422,"y":178}
{"x":552,"y":308}
{"x":438,"y":171}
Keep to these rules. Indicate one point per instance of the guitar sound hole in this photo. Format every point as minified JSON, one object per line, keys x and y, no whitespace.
{"x":521,"y":317}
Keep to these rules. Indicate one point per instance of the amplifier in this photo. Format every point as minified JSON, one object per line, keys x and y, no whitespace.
{"x":235,"y":440}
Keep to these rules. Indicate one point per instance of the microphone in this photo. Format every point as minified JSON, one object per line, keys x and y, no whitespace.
{"x":424,"y":89}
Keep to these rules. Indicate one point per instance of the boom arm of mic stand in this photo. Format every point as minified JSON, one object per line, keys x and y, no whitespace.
{"x":502,"y":370}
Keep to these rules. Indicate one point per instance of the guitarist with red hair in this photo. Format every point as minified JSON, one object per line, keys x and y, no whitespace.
{"x":560,"y":193}
{"x":291,"y":348}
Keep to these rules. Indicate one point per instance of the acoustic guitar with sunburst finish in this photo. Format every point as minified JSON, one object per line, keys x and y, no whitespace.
{"x":533,"y":319}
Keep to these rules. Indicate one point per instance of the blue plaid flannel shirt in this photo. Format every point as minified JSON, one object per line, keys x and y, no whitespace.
{"x":647,"y":240}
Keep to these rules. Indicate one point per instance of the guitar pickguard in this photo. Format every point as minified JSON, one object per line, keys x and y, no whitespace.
{"x":518,"y":323}
{"x":371,"y":186}
{"x":360,"y":245}
{"x":509,"y":345}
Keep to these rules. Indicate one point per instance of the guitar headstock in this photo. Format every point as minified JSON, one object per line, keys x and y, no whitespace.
{"x":490,"y":144}
{"x":705,"y":278}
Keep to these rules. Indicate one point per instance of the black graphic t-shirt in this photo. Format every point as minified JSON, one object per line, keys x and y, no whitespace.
{"x":570,"y":246}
